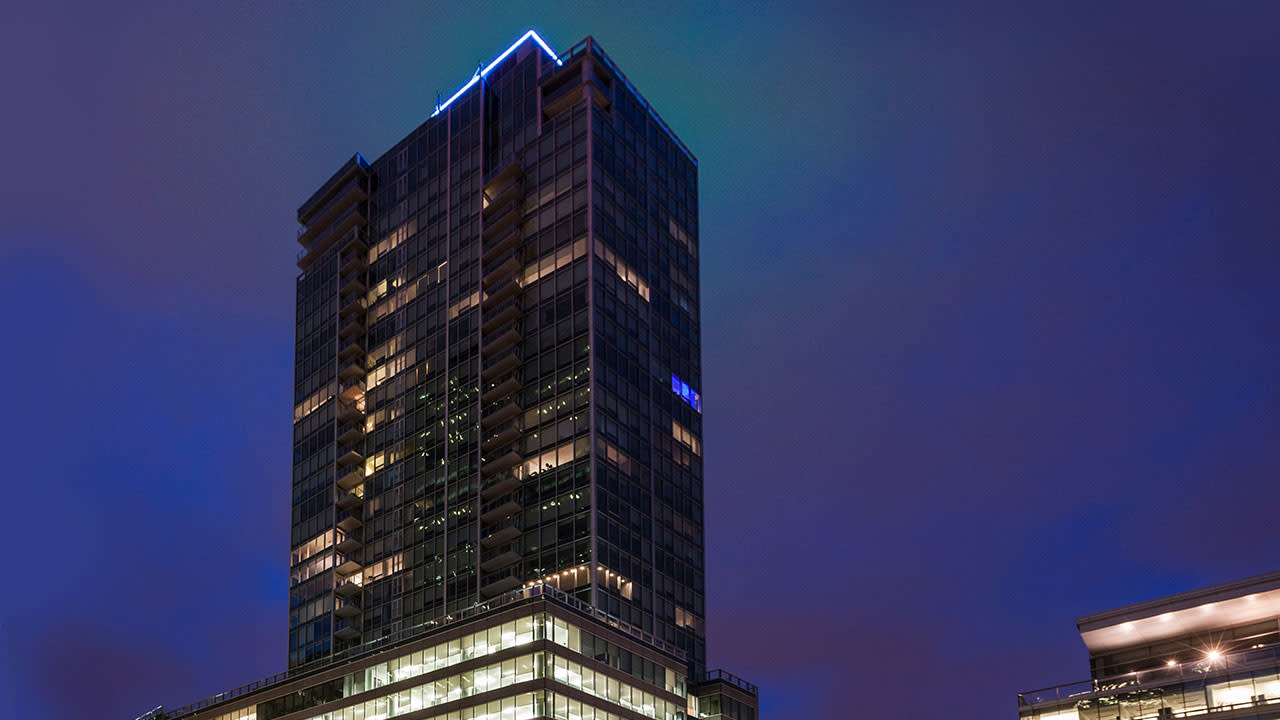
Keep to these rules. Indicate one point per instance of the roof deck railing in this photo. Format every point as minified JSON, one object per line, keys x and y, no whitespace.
{"x":724,"y":676}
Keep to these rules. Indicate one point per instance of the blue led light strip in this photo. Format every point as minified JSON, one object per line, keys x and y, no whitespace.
{"x":476,"y":78}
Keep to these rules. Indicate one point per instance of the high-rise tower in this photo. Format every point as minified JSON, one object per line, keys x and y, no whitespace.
{"x":497,"y":367}
{"x":497,"y":474}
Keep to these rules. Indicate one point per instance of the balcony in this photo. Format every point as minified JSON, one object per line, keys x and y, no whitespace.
{"x":496,"y":196}
{"x":501,"y":315}
{"x":505,"y":510}
{"x":503,"y":389}
{"x":347,"y":588}
{"x":351,"y":434}
{"x":355,"y":305}
{"x":501,"y":437}
{"x":348,"y":500}
{"x":500,"y":367}
{"x":505,"y":339}
{"x":499,"y":292}
{"x":571,"y":86}
{"x":349,"y":520}
{"x":500,"y":244}
{"x":351,"y":319}
{"x":509,"y":171}
{"x":352,"y":328}
{"x":349,"y":544}
{"x":354,"y":284}
{"x":348,"y":412}
{"x":503,"y":185}
{"x":352,"y":351}
{"x":506,"y":559}
{"x":325,"y":237}
{"x":501,"y":585}
{"x":506,"y":266}
{"x":501,"y":486}
{"x":347,"y":607}
{"x":353,"y":370}
{"x":347,"y":633}
{"x":335,"y":191}
{"x":498,"y":464}
{"x":354,"y":242}
{"x":352,"y":478}
{"x":504,"y":533}
{"x":351,"y":391}
{"x":500,"y":218}
{"x":503,"y":413}
{"x":351,"y":457}
{"x":494,"y":307}
{"x":354,"y":263}
{"x":348,"y":566}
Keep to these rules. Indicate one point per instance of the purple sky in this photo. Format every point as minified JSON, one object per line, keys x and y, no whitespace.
{"x":990,"y":306}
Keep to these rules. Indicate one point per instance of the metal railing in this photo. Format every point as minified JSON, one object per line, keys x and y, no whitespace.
{"x":728,"y":677}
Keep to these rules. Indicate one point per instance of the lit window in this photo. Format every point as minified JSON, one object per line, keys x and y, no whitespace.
{"x":686,"y":393}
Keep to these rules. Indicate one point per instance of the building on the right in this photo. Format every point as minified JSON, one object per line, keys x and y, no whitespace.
{"x":1213,"y":651}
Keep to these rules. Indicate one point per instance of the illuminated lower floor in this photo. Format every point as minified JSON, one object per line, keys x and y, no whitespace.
{"x":527,"y":657}
{"x":1247,"y":686}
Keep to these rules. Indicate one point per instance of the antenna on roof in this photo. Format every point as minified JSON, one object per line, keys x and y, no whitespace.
{"x":439,"y":102}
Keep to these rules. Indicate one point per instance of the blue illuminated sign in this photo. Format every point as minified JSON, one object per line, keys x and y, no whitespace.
{"x":476,"y":78}
{"x":686,"y":393}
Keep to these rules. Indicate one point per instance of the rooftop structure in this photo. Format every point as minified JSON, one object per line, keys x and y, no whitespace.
{"x":1213,"y":650}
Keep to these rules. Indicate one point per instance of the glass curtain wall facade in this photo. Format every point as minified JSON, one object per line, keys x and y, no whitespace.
{"x":498,"y":375}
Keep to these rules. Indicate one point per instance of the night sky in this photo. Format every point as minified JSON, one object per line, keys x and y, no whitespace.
{"x":990,"y":340}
